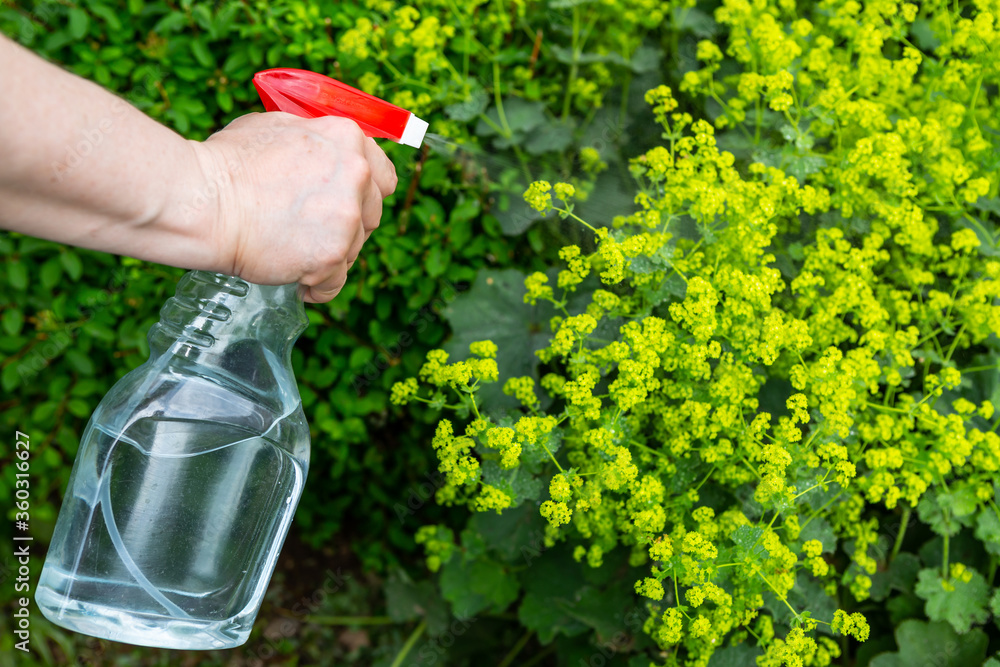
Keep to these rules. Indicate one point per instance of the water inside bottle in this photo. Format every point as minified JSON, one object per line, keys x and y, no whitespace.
{"x":180,"y":518}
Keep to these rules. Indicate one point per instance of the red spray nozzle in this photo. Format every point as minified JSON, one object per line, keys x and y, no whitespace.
{"x":311,"y":95}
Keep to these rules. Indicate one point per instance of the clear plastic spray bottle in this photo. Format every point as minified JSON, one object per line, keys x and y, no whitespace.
{"x":190,"y":469}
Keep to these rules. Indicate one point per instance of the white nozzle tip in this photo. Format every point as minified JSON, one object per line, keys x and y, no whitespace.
{"x":413,"y":133}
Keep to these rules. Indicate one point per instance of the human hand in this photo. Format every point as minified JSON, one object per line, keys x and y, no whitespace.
{"x":289,"y":199}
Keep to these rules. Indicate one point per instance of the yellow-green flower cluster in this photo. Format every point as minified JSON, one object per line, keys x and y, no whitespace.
{"x":438,"y":543}
{"x":523,"y":389}
{"x":853,"y":625}
{"x":805,"y":335}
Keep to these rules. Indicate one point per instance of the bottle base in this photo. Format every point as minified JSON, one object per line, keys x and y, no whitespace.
{"x":141,"y":629}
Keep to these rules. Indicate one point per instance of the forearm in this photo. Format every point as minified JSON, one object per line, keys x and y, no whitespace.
{"x":82,"y":166}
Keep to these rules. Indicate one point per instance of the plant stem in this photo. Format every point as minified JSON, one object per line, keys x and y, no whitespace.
{"x":350,"y":620}
{"x":570,"y":214}
{"x":541,"y":656}
{"x":551,"y":456}
{"x":818,"y":484}
{"x":814,"y":514}
{"x":521,"y":643}
{"x":573,"y":68}
{"x":944,"y":558}
{"x":408,"y":646}
{"x":904,"y":524}
{"x":651,"y":451}
{"x":776,"y":594}
{"x":951,"y":350}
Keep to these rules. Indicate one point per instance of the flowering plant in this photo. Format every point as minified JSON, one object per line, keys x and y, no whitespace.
{"x":767,"y":400}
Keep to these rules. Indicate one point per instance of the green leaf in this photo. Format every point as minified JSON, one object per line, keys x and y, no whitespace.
{"x":71,"y":264}
{"x":987,"y":243}
{"x":924,"y":36}
{"x":960,"y":502}
{"x":539,"y":614}
{"x":477,"y":586}
{"x":523,"y":115}
{"x":465,"y":210}
{"x":748,"y":544}
{"x":903,"y":572}
{"x":646,"y":59}
{"x":549,"y":138}
{"x":920,"y":642}
{"x":605,"y":611}
{"x":78,"y":23}
{"x":437,"y":261}
{"x":108,"y":14}
{"x":470,"y":108}
{"x":43,"y":412}
{"x":552,"y":584}
{"x":806,"y":596}
{"x":516,"y":482}
{"x":494,"y":309}
{"x":100,"y":331}
{"x":568,"y":56}
{"x":17,"y":275}
{"x":406,"y":601}
{"x":430,"y":213}
{"x":202,"y":54}
{"x":494,"y":583}
{"x":819,"y":529}
{"x":79,"y":362}
{"x":516,"y":535}
{"x":88,"y":387}
{"x":988,"y":530}
{"x":225,"y":100}
{"x":701,"y":24}
{"x":900,"y":576}
{"x":13,"y":320}
{"x":188,"y":73}
{"x":660,"y":260}
{"x":962,"y":606}
{"x":995,"y":602}
{"x":78,"y":408}
{"x":11,"y":377}
{"x":740,"y":655}
{"x":802,"y":166}
{"x":932,"y":513}
{"x":51,"y":273}
{"x":465,"y":603}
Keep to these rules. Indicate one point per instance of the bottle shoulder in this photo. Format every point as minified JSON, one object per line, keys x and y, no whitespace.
{"x":169,"y":388}
{"x":214,"y":315}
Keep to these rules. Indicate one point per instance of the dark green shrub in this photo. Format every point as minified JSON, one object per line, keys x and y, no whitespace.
{"x":518,"y":92}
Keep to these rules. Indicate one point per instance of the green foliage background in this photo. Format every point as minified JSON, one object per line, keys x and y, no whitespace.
{"x":523,"y":90}
{"x":74,"y":321}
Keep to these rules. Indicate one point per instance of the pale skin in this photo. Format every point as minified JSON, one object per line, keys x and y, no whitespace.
{"x":272,"y":198}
